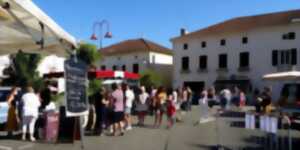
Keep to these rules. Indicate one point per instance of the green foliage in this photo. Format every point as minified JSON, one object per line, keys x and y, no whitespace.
{"x":151,"y":78}
{"x":94,"y":86}
{"x":88,"y":53}
{"x":23,"y":71}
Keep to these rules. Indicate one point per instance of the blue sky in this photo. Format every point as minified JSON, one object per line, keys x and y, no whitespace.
{"x":156,"y":20}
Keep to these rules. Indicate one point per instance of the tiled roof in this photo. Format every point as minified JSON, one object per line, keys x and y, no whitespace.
{"x":247,"y":23}
{"x":135,"y":45}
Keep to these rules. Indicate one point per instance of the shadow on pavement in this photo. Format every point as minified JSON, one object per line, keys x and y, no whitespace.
{"x":233,"y":114}
{"x":209,"y":147}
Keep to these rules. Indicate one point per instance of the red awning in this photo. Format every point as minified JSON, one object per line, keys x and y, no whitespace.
{"x":100,"y":74}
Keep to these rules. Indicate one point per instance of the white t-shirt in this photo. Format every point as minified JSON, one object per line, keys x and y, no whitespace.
{"x":175,"y":97}
{"x":129,"y":98}
{"x":31,"y":104}
{"x":143,"y":97}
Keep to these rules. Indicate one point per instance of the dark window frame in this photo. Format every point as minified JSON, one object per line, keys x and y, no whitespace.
{"x":203,"y":59}
{"x":223,"y":61}
{"x":223,"y":42}
{"x":114,"y":67}
{"x":244,"y":60}
{"x":185,"y":63}
{"x":135,"y":68}
{"x":103,"y":67}
{"x":203,"y":44}
{"x":185,"y":46}
{"x":245,"y":40}
{"x":124,"y":67}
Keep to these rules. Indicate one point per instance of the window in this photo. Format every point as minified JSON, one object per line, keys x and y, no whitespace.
{"x":223,"y":61}
{"x":244,"y":60}
{"x":202,"y":62}
{"x":124,"y":67}
{"x":274,"y":57}
{"x":103,"y":67}
{"x":203,"y":44}
{"x":135,"y":68}
{"x":284,"y":57}
{"x":294,"y":56}
{"x":114,"y":68}
{"x":185,"y":46}
{"x":245,"y":40}
{"x":289,"y":36}
{"x":185,"y":63}
{"x":223,"y":42}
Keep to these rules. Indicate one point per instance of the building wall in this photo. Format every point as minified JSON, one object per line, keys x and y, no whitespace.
{"x":261,"y":42}
{"x":161,"y":63}
{"x":159,"y":58}
{"x":125,"y":59}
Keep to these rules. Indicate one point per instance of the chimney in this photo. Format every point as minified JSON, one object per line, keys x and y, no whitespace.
{"x":183,"y":32}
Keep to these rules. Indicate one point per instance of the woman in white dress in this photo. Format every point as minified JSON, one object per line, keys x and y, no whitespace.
{"x":142,"y":106}
{"x":204,"y":110}
{"x":31,"y":104}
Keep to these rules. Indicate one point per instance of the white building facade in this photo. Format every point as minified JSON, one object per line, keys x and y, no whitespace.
{"x":136,"y":56}
{"x":238,"y":52}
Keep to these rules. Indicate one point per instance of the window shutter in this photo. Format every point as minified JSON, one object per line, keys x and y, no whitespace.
{"x":294,"y":56}
{"x":274,"y":57}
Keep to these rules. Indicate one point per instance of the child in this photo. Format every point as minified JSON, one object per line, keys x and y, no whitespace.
{"x":171,"y":111}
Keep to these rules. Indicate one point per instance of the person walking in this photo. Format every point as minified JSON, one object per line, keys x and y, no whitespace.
{"x":152,"y":95}
{"x":184,"y":100}
{"x":242,"y":99}
{"x":171,"y":111}
{"x":159,"y":106}
{"x":12,"y":117}
{"x":118,"y":107}
{"x":204,"y":109}
{"x":225,"y":97}
{"x":31,"y":104}
{"x":142,"y":106}
{"x":266,"y":100}
{"x":190,"y":99}
{"x":129,"y":95}
{"x":257,"y":100}
{"x":101,"y":103}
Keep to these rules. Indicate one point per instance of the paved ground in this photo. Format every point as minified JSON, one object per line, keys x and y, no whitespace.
{"x":184,"y":136}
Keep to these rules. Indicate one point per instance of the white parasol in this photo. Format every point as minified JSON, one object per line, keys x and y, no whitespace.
{"x":289,"y":75}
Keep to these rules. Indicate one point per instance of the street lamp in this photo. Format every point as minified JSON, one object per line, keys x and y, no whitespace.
{"x":107,"y":35}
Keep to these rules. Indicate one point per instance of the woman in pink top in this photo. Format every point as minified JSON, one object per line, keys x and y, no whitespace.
{"x":118,"y":104}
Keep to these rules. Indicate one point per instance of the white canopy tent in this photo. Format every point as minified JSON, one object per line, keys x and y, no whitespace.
{"x":283,"y":76}
{"x":50,"y":64}
{"x":24,"y":26}
{"x":4,"y":62}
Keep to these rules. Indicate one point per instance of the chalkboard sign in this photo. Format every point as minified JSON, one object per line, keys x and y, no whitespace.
{"x":76,"y":88}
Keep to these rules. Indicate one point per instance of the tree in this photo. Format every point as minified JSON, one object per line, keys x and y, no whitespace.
{"x":89,"y":54}
{"x":151,"y":78}
{"x":23,"y":70}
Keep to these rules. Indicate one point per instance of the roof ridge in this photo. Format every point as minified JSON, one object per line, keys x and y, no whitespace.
{"x":241,"y":18}
{"x":146,"y":43}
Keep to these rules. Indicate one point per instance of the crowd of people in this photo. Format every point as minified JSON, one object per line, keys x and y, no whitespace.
{"x":115,"y":107}
{"x":24,"y":107}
